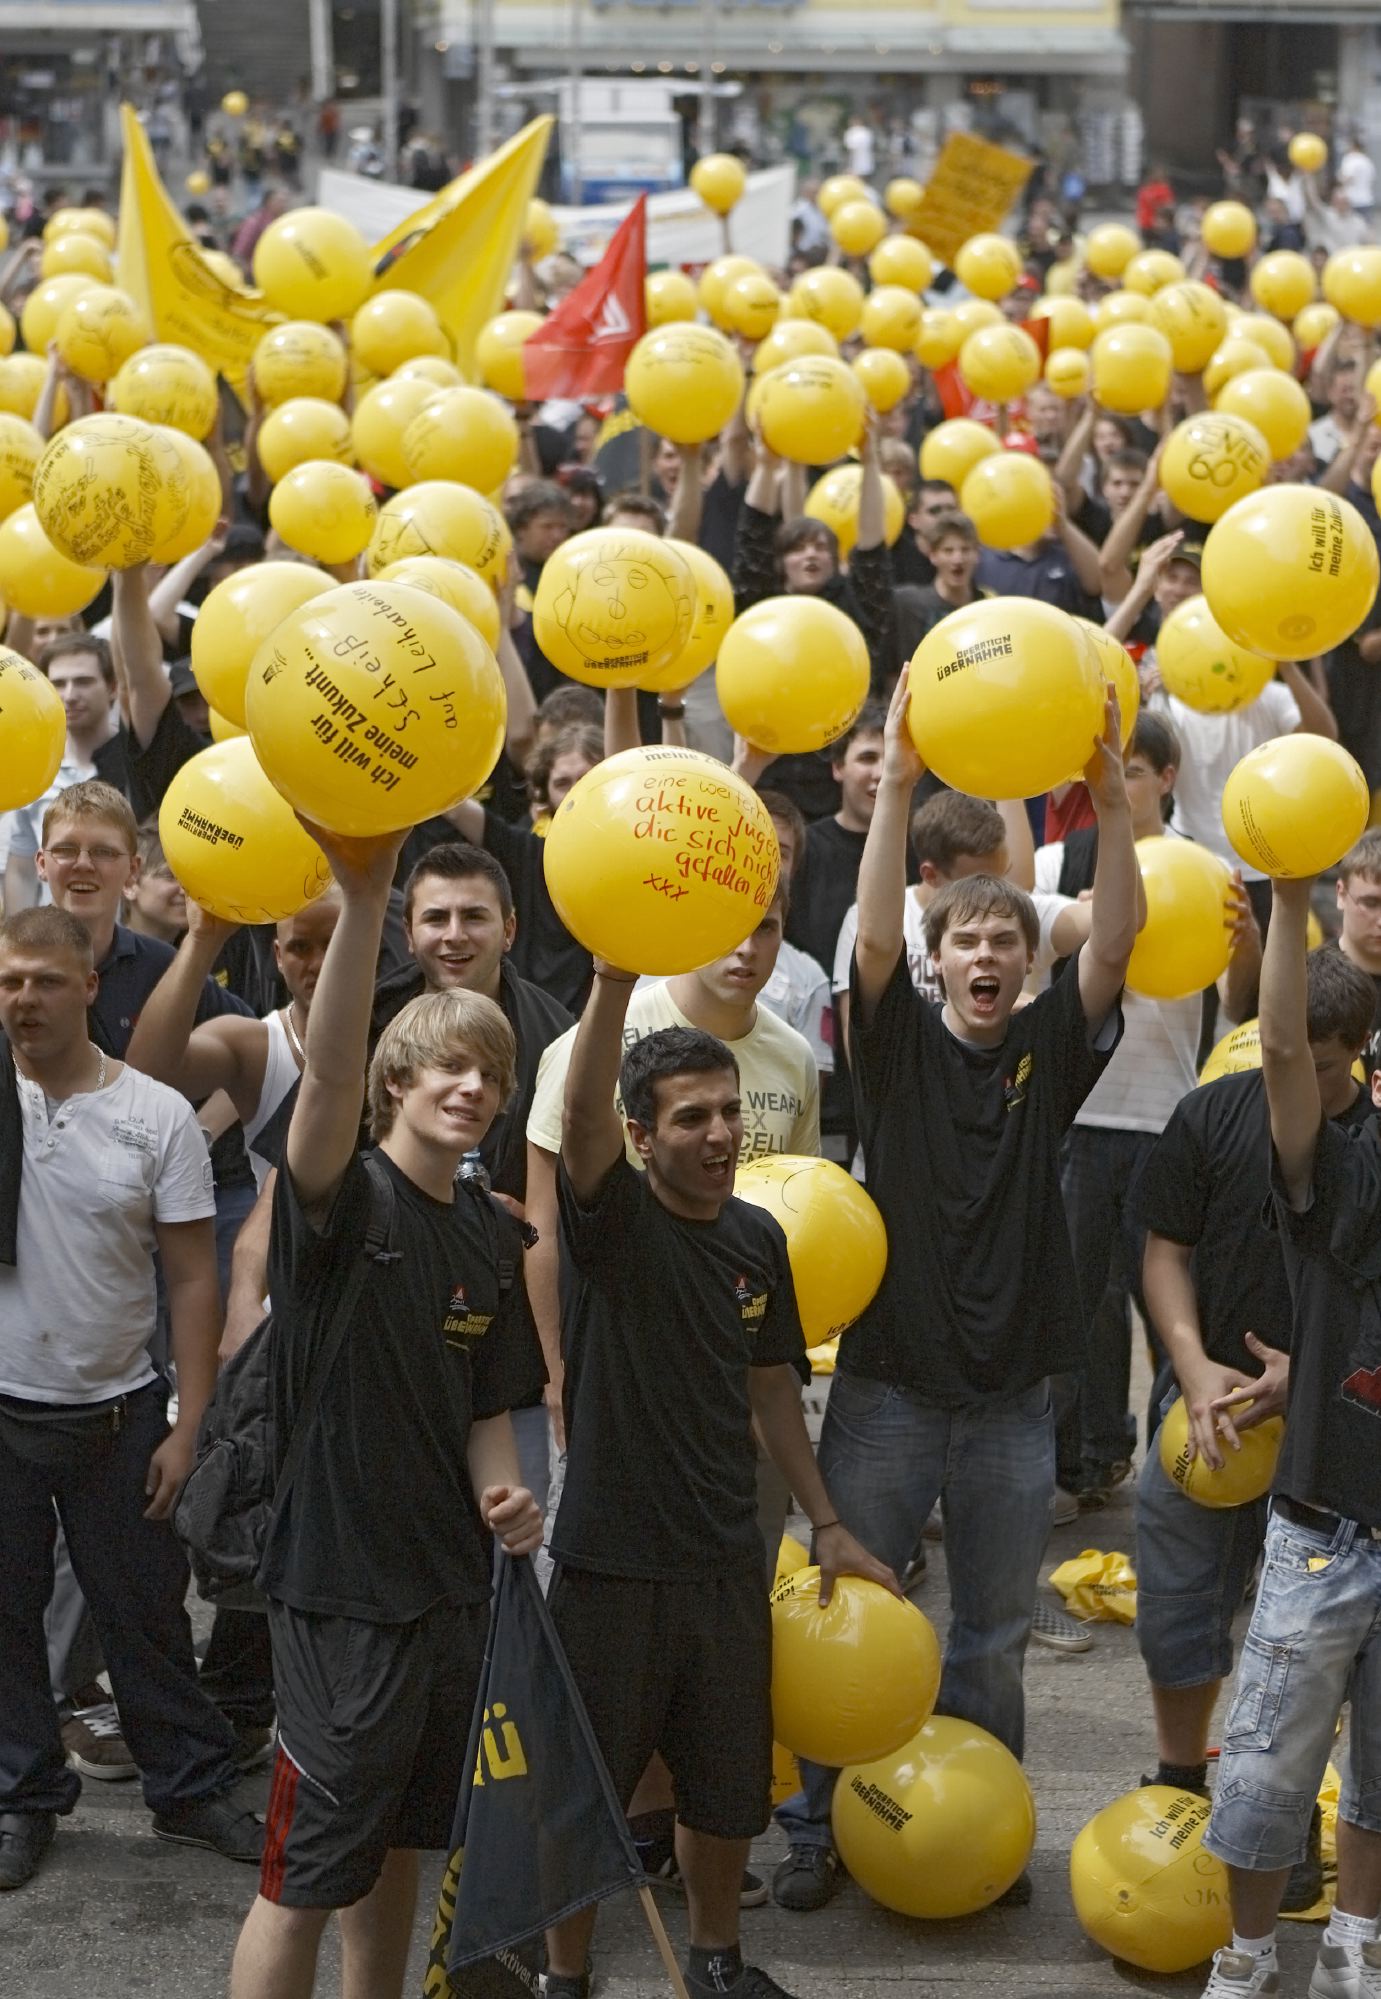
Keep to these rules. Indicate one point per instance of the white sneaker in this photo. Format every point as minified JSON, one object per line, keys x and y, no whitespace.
{"x":1341,"y":1973}
{"x":1238,"y":1976}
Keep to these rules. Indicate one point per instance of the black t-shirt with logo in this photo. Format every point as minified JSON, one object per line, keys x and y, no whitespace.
{"x":661,"y":1320}
{"x":962,"y":1145}
{"x":1331,"y":1456}
{"x":381,"y":1522}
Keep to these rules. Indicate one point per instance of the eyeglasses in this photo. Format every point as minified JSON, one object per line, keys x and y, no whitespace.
{"x":104,"y":857}
{"x":1370,"y":905}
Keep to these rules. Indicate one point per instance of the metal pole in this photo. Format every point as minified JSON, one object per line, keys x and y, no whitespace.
{"x":571,"y":140}
{"x":705,"y":125}
{"x":323,"y":55}
{"x":388,"y":80}
{"x":484,"y":78}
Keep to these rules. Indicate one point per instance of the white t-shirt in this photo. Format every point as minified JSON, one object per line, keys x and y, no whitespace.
{"x":1213,"y":746}
{"x":779,"y":1082}
{"x":858,"y":144}
{"x":923,"y":974}
{"x":798,"y":993}
{"x":1357,"y":176}
{"x":25,"y":823}
{"x":77,"y":1311}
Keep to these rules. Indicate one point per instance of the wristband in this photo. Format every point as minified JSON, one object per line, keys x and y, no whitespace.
{"x":826,"y":1523}
{"x":672,"y":709}
{"x":612,"y":979}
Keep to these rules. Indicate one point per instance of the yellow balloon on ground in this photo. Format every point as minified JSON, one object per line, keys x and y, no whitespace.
{"x":891,"y":318}
{"x":300,"y":359}
{"x":1212,"y":460}
{"x":612,"y":605}
{"x":312,"y":264}
{"x":1119,"y":672}
{"x":792,"y":340}
{"x":33,"y":731}
{"x":394,"y":327}
{"x":1132,"y":366}
{"x":1071,"y":322}
{"x":751,"y":305}
{"x":811,"y":411}
{"x":952,"y":449}
{"x":661,"y":860}
{"x":464,"y":434}
{"x":902,"y":260}
{"x":109,"y":489}
{"x":838,"y":189}
{"x":1236,"y":356}
{"x":1273,"y":402}
{"x":380,"y":424}
{"x":1313,"y":324}
{"x":1293,"y":806}
{"x":42,"y":309}
{"x":941,"y":1827}
{"x":442,"y":517}
{"x":76,"y":252}
{"x":1283,"y":282}
{"x":710,"y":620}
{"x":234,"y":104}
{"x":719,"y":179}
{"x":236,"y":618}
{"x":499,"y":353}
{"x":940,"y":338}
{"x":1194,"y":320}
{"x":1268,"y":332}
{"x":885,"y":376}
{"x":792,"y":674}
{"x":21,"y":447}
{"x":1007,"y":698}
{"x":1069,"y":372}
{"x":853,"y":1679}
{"x":1244,"y":1475}
{"x":835,"y":1237}
{"x":988,"y":265}
{"x":324,"y":510}
{"x":1185,"y":942}
{"x":715,"y":281}
{"x":1144,"y":1886}
{"x":38,"y":580}
{"x":234,"y":843}
{"x":456,"y":585}
{"x":1110,"y":248}
{"x":858,"y":227}
{"x":1000,"y":363}
{"x":205,"y":498}
{"x":304,"y":427}
{"x":684,"y":382}
{"x":1235,"y":1055}
{"x":669,"y":296}
{"x":1290,"y":571}
{"x":1308,"y":152}
{"x":831,"y":297}
{"x":98,"y":330}
{"x":1010,"y":499}
{"x":1150,"y":271}
{"x":1201,"y":666}
{"x":902,"y":197}
{"x":1352,"y":283}
{"x":540,"y":234}
{"x":169,"y":385}
{"x":833,"y":499}
{"x":375,"y":707}
{"x":1228,"y":229}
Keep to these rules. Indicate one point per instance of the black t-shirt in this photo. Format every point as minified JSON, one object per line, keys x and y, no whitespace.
{"x":824,"y":889}
{"x":1204,"y":1186}
{"x":962,"y":1145}
{"x":544,"y":949}
{"x":381,"y":1521}
{"x":661,"y":1320}
{"x":1332,"y":1451}
{"x":910,"y":563}
{"x":719,"y":514}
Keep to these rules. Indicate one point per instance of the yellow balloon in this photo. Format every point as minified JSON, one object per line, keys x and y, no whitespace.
{"x":1308,"y":152}
{"x":1229,"y":229}
{"x":858,"y":227}
{"x":791,"y":340}
{"x":1270,"y":334}
{"x":1290,"y":571}
{"x":380,"y":424}
{"x":1010,"y":499}
{"x":1007,"y":698}
{"x":791,"y":1556}
{"x":222,"y":729}
{"x":1062,"y":279}
{"x":499,"y":353}
{"x":94,"y":222}
{"x":375,"y":707}
{"x":1124,"y":308}
{"x":324,"y":510}
{"x":1236,"y":355}
{"x":234,"y":843}
{"x":205,"y":500}
{"x":9,"y":332}
{"x":1110,"y":248}
{"x":442,"y":374}
{"x":1069,"y":372}
{"x":835,"y":1237}
{"x":1352,"y":283}
{"x":715,"y":281}
{"x":42,"y":309}
{"x":1185,"y":943}
{"x":1313,"y":324}
{"x":902,"y":260}
{"x":540,"y":233}
{"x":853,"y":1679}
{"x":1201,"y":666}
{"x":613,"y":605}
{"x":236,"y":618}
{"x":902,"y":197}
{"x":831,"y":297}
{"x":988,"y":265}
{"x":198,"y":182}
{"x":304,"y":427}
{"x":1212,"y":460}
{"x":1071,"y":322}
{"x":940,"y":1828}
{"x":1245,"y":1474}
{"x":669,"y":296}
{"x":661,"y":860}
{"x":394,"y":327}
{"x":62,"y":222}
{"x":456,"y":585}
{"x":786,"y":1774}
{"x":885,"y":376}
{"x":464,"y":434}
{"x":1236,"y":1054}
{"x":719,"y":179}
{"x":109,"y":489}
{"x":21,"y":447}
{"x":1000,"y":363}
{"x":972,"y":313}
{"x":1283,"y":282}
{"x":21,"y":384}
{"x":1145,"y":1887}
{"x":1271,"y":401}
{"x":751,"y":305}
{"x":1293,"y":806}
{"x":684,"y":382}
{"x":312,"y":264}
{"x":1119,"y":672}
{"x":1132,"y":366}
{"x":891,"y":318}
{"x":838,"y":189}
{"x":1150,"y":271}
{"x":792,"y":674}
{"x":711,"y":618}
{"x":33,"y":731}
{"x":441,"y":517}
{"x":167,"y":384}
{"x":76,"y":252}
{"x":953,"y":448}
{"x":940,"y":338}
{"x":1193,"y":320}
{"x":811,"y":411}
{"x":98,"y":330}
{"x":38,"y":580}
{"x":234,"y":104}
{"x":300,"y":359}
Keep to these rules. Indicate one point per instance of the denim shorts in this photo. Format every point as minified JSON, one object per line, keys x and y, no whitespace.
{"x":1193,"y":1567}
{"x":1314,"y":1642}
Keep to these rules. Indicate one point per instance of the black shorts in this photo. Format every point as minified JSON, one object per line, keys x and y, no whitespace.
{"x":373,"y":1720}
{"x":684,"y":1668}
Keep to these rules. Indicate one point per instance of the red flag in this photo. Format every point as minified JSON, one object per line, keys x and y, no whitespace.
{"x":580,"y":349}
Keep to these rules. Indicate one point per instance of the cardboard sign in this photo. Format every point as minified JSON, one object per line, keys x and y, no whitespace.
{"x":973,"y":186}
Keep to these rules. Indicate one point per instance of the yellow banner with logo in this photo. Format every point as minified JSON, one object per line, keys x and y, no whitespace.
{"x":971,"y":189}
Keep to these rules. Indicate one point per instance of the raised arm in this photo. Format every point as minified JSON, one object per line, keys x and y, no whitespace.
{"x":1292,"y":1088}
{"x":591,"y":1131}
{"x":1240,"y":986}
{"x":520,"y":728}
{"x":1316,"y":717}
{"x":1083,"y":556}
{"x":872,"y":508}
{"x":1069,"y":466}
{"x":622,"y":729}
{"x":1122,"y":621}
{"x":882,"y":871}
{"x":1125,"y":531}
{"x":1118,"y":905}
{"x":168,"y":1045}
{"x":688,"y":501}
{"x":141,"y":653}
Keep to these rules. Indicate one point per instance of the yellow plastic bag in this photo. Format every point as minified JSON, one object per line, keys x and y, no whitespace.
{"x":1098,"y":1587}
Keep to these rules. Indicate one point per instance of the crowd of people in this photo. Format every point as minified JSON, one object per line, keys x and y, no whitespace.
{"x":486,"y":1183}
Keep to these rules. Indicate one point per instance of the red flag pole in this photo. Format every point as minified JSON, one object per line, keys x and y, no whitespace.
{"x":663,"y":1943}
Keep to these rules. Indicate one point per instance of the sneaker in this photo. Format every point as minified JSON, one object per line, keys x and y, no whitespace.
{"x":1098,"y":1485}
{"x":95,"y":1745}
{"x":549,"y":1987}
{"x":662,"y":1871}
{"x":24,"y":1839}
{"x":253,"y":1746}
{"x":1064,"y":1508}
{"x":1344,"y":1974}
{"x":806,"y":1879}
{"x":218,"y":1824}
{"x":1062,"y":1634}
{"x":1305,"y":1884}
{"x":934,"y":1529}
{"x":914,"y":1572}
{"x":1238,"y":1976}
{"x":750,"y":1984}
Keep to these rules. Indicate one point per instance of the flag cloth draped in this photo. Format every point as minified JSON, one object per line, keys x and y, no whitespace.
{"x":582,"y":347}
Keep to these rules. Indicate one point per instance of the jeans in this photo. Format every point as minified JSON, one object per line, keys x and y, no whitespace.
{"x":1099,"y":1179}
{"x":133,"y":1575}
{"x":886,"y":1457}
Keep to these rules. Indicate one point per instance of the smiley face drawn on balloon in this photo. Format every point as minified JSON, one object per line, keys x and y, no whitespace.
{"x":618,"y":607}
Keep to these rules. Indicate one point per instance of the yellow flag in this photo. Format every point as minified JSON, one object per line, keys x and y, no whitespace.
{"x":162,"y":268}
{"x":459,"y":250}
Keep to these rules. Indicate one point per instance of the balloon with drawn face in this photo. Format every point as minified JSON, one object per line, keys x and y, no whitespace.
{"x":613,"y":606}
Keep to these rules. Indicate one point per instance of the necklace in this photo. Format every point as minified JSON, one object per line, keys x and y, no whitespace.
{"x":294,"y":1038}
